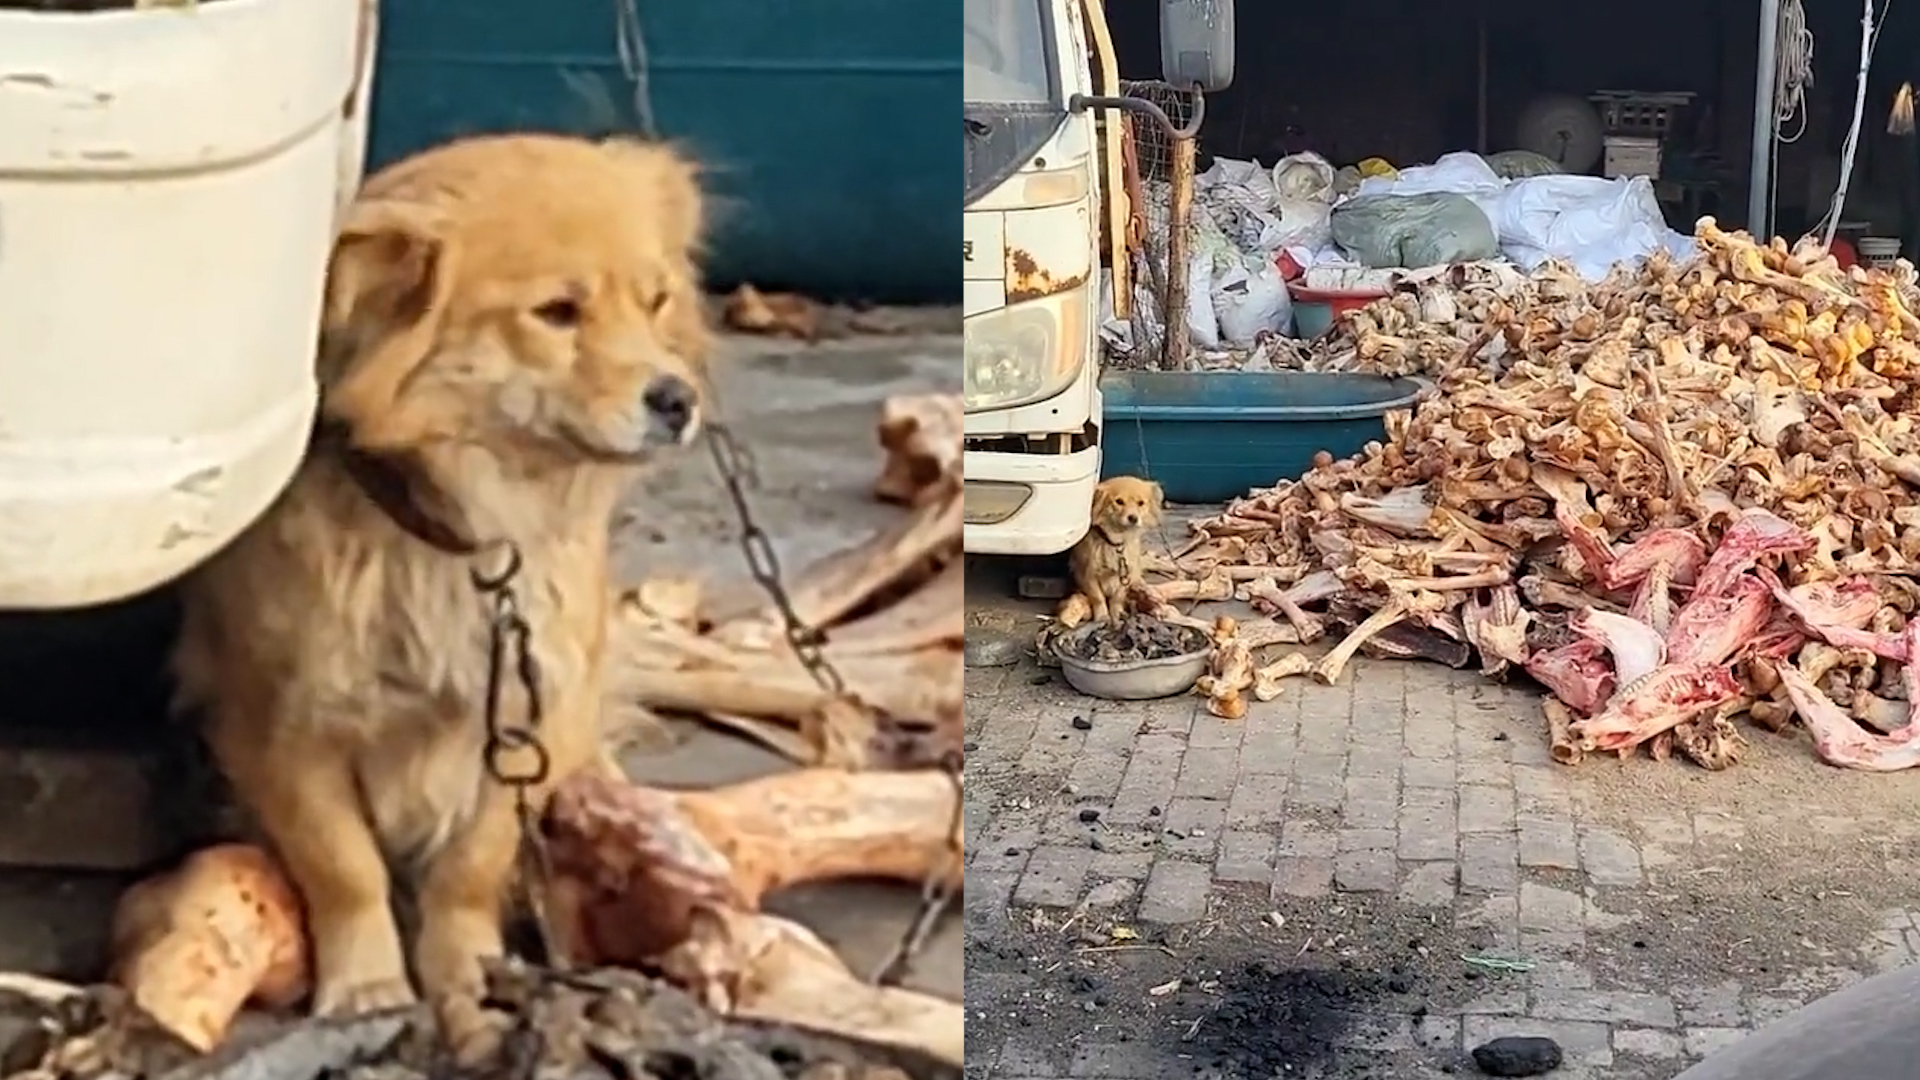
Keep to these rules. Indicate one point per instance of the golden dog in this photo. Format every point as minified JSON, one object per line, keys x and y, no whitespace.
{"x":1107,"y":563}
{"x":510,"y":324}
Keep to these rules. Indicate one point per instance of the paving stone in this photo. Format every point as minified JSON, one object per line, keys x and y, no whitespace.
{"x":1210,"y":732}
{"x":1583,"y":1042}
{"x":1489,"y":862}
{"x":1764,"y":1009}
{"x":1510,"y":1001}
{"x":1003,"y":738}
{"x":1701,"y":1041}
{"x":1609,"y":858}
{"x":1302,"y":877}
{"x":1647,"y":1042}
{"x":1055,"y":747}
{"x":1132,"y":865}
{"x":1272,"y":736}
{"x":1319,"y":782}
{"x":1366,"y":840}
{"x":1258,"y":799}
{"x":1486,"y":808}
{"x":1054,"y":876}
{"x":1208,"y":773}
{"x":1245,"y":856}
{"x":1609,"y":1006}
{"x":1373,"y":764}
{"x":1711,"y":1006}
{"x":1305,"y":838}
{"x":1176,"y":892}
{"x":1009,"y":844}
{"x":1324,"y":734}
{"x":1428,"y":773}
{"x":1543,"y":907}
{"x":1364,"y":871}
{"x":1430,"y":722}
{"x":1172,"y":716}
{"x":1152,"y":769}
{"x":1427,"y":825}
{"x":1429,"y":884}
{"x":1097,"y":775}
{"x":1193,"y":827}
{"x":1548,"y":844}
{"x":1110,"y":894}
{"x":1382,"y":1033}
{"x":1553,"y":973}
{"x":1435,"y":1032}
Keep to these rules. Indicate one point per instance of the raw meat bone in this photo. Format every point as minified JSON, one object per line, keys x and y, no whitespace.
{"x":787,"y":829}
{"x":194,"y":945}
{"x":1838,"y":740}
{"x":636,"y":882}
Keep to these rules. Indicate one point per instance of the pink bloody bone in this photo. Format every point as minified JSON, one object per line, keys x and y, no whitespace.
{"x":1671,"y":695}
{"x":1711,"y":627}
{"x":1757,"y":534}
{"x":1636,"y":648}
{"x":1838,"y":740}
{"x":1577,"y":673}
{"x":1679,"y":551}
{"x":1836,"y":613}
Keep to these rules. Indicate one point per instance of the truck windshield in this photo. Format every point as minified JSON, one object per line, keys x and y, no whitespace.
{"x":1006,"y":52}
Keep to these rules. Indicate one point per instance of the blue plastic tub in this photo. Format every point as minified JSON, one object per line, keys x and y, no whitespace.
{"x":1212,"y":436}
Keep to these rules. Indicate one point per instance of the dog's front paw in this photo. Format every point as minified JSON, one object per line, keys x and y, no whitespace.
{"x":344,"y":997}
{"x":471,"y":1031}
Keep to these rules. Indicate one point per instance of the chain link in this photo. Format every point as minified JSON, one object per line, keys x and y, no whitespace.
{"x":514,"y":755}
{"x":736,"y":471}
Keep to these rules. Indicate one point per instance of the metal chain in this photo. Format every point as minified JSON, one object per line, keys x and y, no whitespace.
{"x":937,"y":893}
{"x":510,"y":644}
{"x":735,"y":467}
{"x":736,"y":472}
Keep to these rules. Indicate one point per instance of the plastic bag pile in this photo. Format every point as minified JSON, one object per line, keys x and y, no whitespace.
{"x":1345,"y":223}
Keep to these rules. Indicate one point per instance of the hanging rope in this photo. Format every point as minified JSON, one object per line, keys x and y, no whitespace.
{"x":632,"y":47}
{"x":1793,"y":72}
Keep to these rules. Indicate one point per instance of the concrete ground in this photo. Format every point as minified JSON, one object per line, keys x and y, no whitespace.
{"x":1369,"y":879}
{"x":807,"y":414}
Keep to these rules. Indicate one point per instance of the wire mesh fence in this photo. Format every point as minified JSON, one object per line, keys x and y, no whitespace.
{"x":1151,"y":142}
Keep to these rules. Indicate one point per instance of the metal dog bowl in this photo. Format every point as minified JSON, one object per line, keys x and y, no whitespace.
{"x":1133,"y":680}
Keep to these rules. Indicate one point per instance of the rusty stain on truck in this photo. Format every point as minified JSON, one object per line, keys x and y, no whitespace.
{"x":1028,"y":280}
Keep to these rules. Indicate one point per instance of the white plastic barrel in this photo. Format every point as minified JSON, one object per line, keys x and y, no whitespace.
{"x":169,"y":180}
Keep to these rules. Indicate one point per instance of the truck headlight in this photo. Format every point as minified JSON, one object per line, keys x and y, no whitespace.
{"x":1025,"y":352}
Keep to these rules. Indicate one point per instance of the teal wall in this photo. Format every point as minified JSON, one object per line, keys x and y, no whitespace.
{"x":826,"y":126}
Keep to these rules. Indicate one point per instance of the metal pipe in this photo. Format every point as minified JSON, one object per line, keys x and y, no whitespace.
{"x":1766,"y":74}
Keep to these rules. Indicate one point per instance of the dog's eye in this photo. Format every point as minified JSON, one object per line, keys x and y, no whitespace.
{"x":561,"y":313}
{"x":656,"y":301}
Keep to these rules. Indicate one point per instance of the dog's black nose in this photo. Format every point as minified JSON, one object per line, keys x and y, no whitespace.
{"x":671,"y":400}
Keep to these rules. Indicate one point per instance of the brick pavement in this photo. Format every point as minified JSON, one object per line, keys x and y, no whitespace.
{"x":1404,"y":782}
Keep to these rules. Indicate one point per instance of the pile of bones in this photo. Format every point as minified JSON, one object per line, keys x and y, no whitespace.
{"x":1680,"y":496}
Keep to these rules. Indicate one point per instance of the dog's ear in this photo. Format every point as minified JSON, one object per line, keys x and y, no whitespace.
{"x":1157,"y":500}
{"x":1102,"y":500}
{"x":387,"y":287}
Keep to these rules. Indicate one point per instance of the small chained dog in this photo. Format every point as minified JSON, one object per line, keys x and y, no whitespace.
{"x":511,"y":325}
{"x":1107,"y":563}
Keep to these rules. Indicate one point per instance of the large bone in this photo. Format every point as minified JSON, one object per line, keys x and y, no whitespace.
{"x":194,"y":945}
{"x":637,"y":881}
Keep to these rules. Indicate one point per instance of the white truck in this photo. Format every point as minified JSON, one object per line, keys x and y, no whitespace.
{"x":1043,"y":171}
{"x":169,"y":180}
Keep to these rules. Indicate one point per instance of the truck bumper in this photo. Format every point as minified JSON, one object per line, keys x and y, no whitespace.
{"x":1052,"y":517}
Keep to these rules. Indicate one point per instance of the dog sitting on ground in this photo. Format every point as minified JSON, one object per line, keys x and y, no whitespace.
{"x":511,"y":324}
{"x":1107,"y":563}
